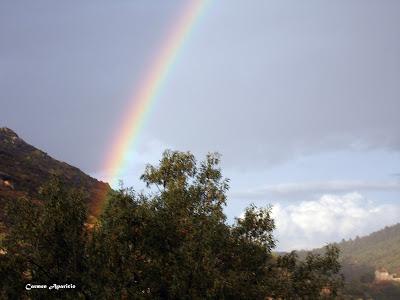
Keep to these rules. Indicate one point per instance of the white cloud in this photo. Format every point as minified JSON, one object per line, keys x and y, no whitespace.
{"x":330,"y":186}
{"x":330,"y":218}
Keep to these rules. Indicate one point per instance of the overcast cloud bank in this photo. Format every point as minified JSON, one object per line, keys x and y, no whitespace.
{"x":287,"y":189}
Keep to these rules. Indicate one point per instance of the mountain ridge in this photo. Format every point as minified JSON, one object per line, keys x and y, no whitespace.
{"x":379,"y":249}
{"x":363,"y":258}
{"x":28,"y":168}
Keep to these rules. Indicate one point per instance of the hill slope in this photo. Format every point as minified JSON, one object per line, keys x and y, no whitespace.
{"x":24,"y":169}
{"x":361,"y":257}
{"x":380,"y":249}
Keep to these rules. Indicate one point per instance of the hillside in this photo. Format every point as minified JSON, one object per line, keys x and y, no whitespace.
{"x":380,"y":249}
{"x":24,"y":169}
{"x":362,"y":256}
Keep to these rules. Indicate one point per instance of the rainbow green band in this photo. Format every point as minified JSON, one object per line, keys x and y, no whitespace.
{"x":148,"y":90}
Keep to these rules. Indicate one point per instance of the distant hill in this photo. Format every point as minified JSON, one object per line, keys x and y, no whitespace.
{"x":380,"y":249}
{"x":362,"y":256}
{"x":24,"y":169}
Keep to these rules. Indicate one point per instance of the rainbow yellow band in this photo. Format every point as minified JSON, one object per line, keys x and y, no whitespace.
{"x":148,"y":89}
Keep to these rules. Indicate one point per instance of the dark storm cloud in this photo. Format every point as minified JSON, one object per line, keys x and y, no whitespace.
{"x":288,"y":80}
{"x":261,"y":82}
{"x":67,"y":69}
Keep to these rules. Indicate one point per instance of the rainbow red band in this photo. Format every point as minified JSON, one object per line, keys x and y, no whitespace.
{"x":148,"y":90}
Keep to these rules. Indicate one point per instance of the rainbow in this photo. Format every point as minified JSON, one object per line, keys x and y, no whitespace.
{"x":148,"y":90}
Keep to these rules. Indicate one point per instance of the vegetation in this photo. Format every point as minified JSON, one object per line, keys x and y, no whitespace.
{"x":171,"y":243}
{"x":31,"y":168}
{"x":362,"y":256}
{"x":379,"y":249}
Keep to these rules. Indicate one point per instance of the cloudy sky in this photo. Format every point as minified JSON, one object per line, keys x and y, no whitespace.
{"x":302,"y":99}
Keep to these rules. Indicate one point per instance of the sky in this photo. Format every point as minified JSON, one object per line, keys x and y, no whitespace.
{"x":300,"y":98}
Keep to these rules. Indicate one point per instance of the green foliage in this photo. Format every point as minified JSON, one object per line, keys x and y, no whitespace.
{"x":46,"y":240}
{"x":315,"y":277}
{"x":360,"y":257}
{"x":379,"y":249}
{"x":172,"y":243}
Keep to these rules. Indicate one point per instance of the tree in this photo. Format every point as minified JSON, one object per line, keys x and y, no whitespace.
{"x":46,"y":241}
{"x":172,"y":242}
{"x":115,"y":250}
